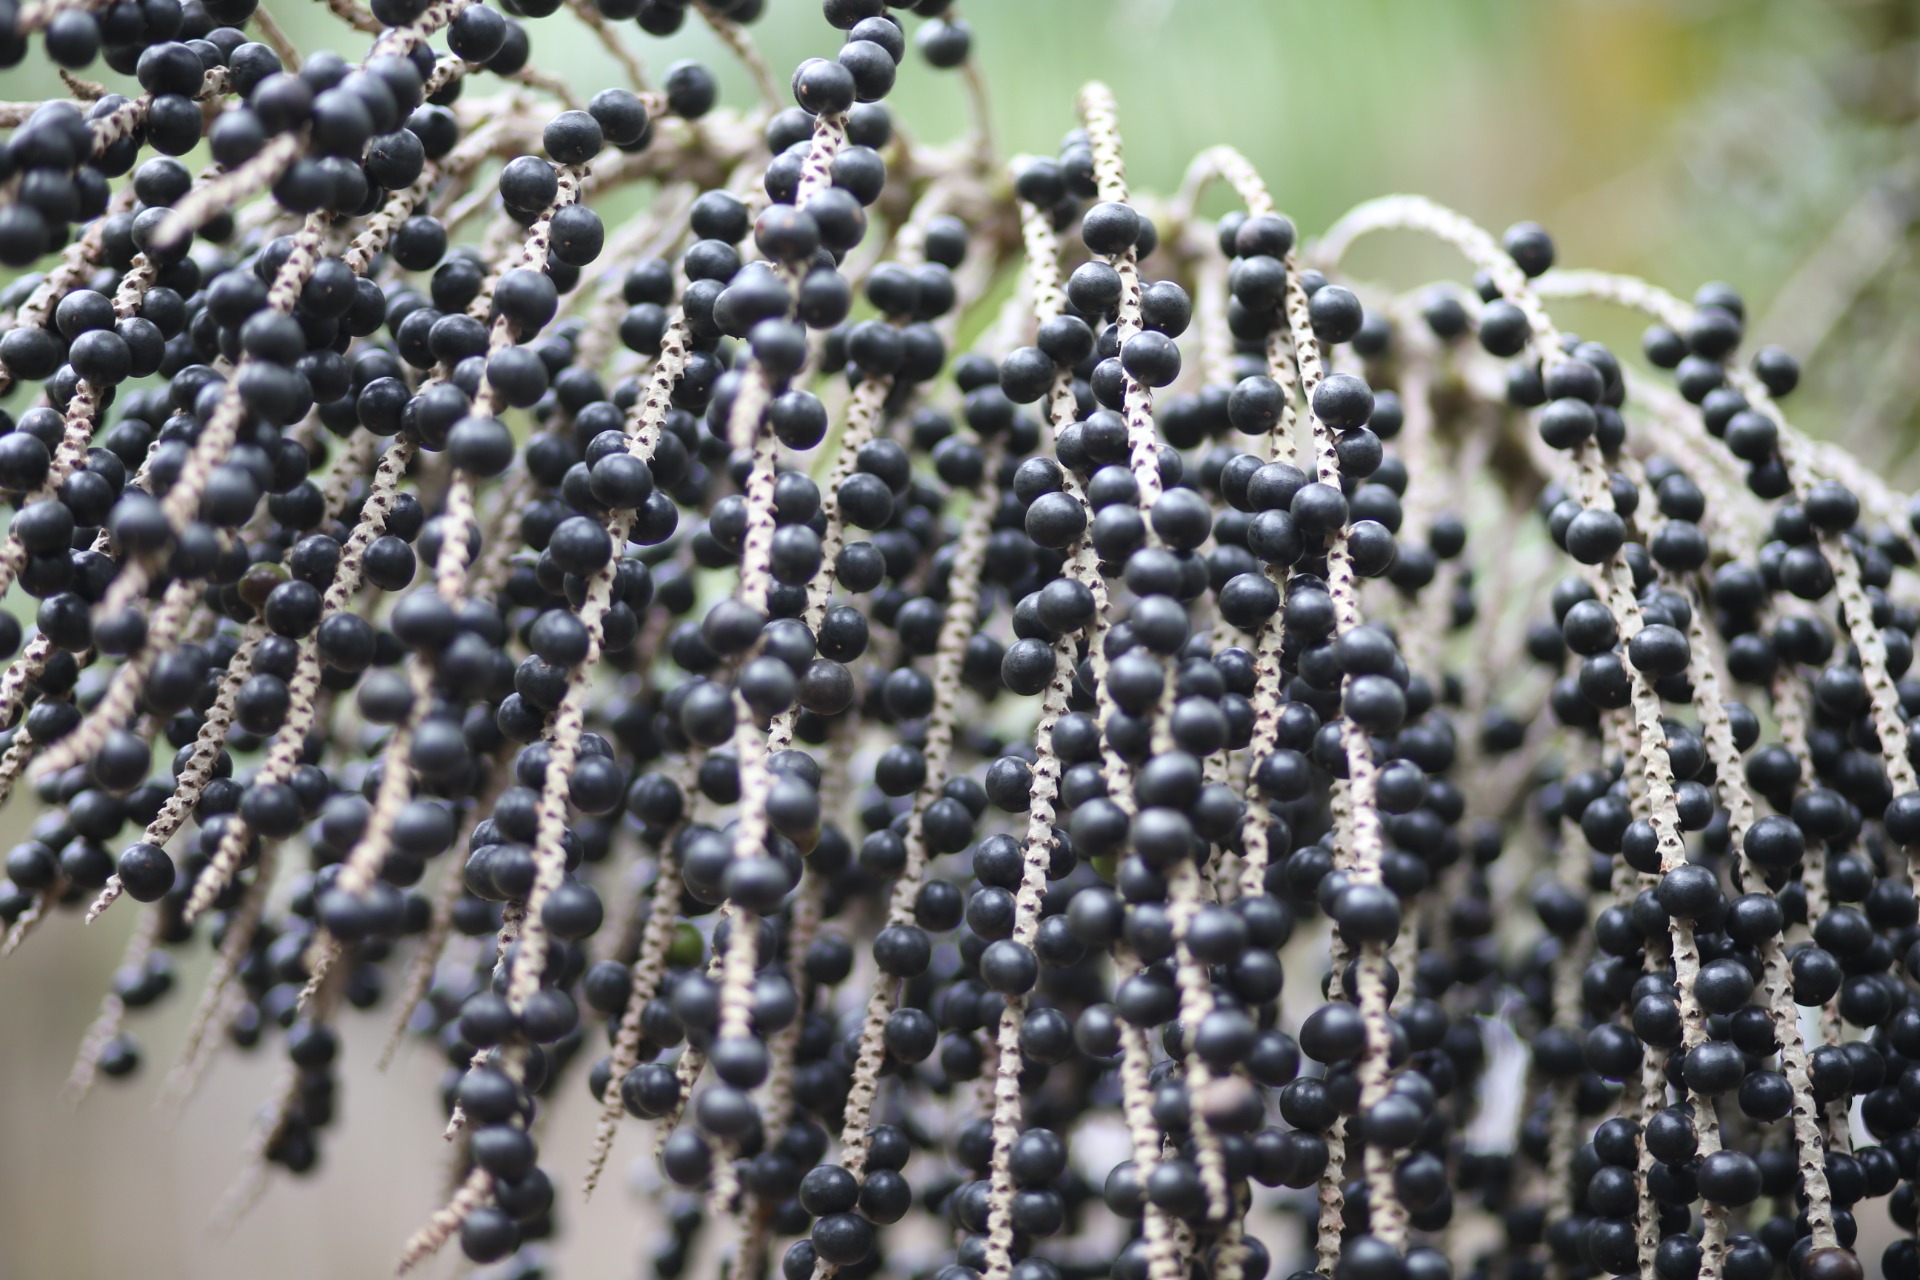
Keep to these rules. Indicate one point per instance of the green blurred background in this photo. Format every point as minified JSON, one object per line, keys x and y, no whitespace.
{"x":1768,"y":144}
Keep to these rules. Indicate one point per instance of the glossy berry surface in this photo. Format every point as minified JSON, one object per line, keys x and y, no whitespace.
{"x":1021,"y":800}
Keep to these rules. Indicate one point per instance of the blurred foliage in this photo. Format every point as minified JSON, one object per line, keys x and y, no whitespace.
{"x":1684,"y":140}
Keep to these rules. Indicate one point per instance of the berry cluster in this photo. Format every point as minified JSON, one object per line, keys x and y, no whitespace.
{"x":904,"y":774}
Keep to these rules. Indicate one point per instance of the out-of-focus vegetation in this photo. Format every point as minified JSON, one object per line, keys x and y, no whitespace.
{"x":1771,"y":144}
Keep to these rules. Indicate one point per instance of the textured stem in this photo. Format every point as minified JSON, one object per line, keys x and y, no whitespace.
{"x":1026,"y":922}
{"x":106,"y":1025}
{"x":962,"y":603}
{"x":291,"y":739}
{"x":241,"y":926}
{"x":1100,"y":115}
